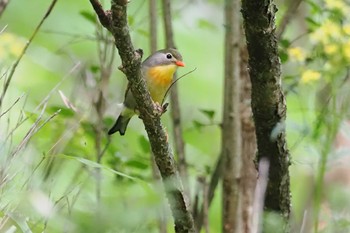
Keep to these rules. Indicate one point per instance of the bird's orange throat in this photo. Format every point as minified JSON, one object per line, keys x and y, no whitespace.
{"x":162,"y":75}
{"x":159,"y":79}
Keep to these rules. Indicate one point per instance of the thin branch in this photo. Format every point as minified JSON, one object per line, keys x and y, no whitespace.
{"x":153,"y":25}
{"x":231,"y":136}
{"x":161,"y":210}
{"x":103,"y":16}
{"x":288,"y":15}
{"x":175,"y":103}
{"x":3,"y":5}
{"x":214,"y":181}
{"x":259,"y":196}
{"x":14,"y":103}
{"x":149,"y":113}
{"x":13,"y":68}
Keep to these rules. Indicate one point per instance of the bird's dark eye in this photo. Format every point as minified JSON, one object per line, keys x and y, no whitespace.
{"x":169,"y":56}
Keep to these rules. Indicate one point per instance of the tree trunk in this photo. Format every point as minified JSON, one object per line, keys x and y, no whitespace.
{"x":268,"y":102}
{"x":249,"y":172}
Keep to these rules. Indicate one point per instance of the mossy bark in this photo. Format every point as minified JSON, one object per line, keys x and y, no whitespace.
{"x":268,"y":101}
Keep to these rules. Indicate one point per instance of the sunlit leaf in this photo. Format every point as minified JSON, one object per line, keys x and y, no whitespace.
{"x":283,"y":56}
{"x":142,"y":32}
{"x":208,"y":113}
{"x":312,"y":23}
{"x":198,"y":125}
{"x":206,"y":24}
{"x":93,"y":164}
{"x":284,"y":43}
{"x":136,"y":164}
{"x":89,"y":16}
{"x":144,"y":144}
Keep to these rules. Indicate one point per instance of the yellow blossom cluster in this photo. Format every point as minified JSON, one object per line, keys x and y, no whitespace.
{"x":309,"y":76}
{"x":10,"y":45}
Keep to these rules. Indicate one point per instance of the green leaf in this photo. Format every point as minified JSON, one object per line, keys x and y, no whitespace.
{"x":144,"y":144}
{"x":142,"y":32}
{"x":284,"y":56}
{"x":316,"y":7}
{"x":208,"y":113}
{"x":312,"y":23}
{"x":131,"y":20}
{"x":198,"y":125}
{"x":64,"y":112}
{"x":285,"y":43}
{"x":206,"y":24}
{"x":94,"y":69}
{"x":136,"y":164}
{"x":88,"y":16}
{"x":93,"y":164}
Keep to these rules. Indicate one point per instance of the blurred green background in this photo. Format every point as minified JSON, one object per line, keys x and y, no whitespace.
{"x":49,"y":174}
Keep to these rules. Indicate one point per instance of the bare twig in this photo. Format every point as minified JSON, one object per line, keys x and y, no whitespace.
{"x":259,"y":196}
{"x":153,"y":25}
{"x":288,"y":15}
{"x":13,"y":68}
{"x":214,"y":181}
{"x":3,"y":5}
{"x":161,"y":210}
{"x":175,"y":103}
{"x":173,"y":83}
{"x":102,"y":15}
{"x":131,"y":66}
{"x":14,"y":103}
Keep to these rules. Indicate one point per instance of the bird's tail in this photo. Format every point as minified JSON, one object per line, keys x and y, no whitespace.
{"x":120,"y":125}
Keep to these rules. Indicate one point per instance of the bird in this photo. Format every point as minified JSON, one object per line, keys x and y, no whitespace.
{"x":158,"y":71}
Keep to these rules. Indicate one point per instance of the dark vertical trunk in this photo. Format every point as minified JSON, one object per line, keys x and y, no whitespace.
{"x":268,"y":102}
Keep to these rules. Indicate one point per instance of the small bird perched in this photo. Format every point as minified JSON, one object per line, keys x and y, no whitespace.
{"x":158,"y":71}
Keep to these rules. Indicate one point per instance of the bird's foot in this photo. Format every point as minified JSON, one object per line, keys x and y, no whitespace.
{"x":165,"y":107}
{"x":159,"y":110}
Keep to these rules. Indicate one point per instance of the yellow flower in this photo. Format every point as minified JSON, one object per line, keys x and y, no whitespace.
{"x":330,"y":49}
{"x":310,"y":76}
{"x":346,"y":29}
{"x":346,"y":50}
{"x":337,"y":4}
{"x":328,"y":30}
{"x":297,"y":54}
{"x":10,"y":44}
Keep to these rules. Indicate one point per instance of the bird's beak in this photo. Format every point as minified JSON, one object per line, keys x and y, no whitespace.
{"x":180,"y":63}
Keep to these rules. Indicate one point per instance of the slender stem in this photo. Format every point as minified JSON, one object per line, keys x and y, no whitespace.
{"x":175,"y":103}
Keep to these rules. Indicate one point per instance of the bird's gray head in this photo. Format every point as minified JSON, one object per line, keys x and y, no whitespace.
{"x":164,"y":57}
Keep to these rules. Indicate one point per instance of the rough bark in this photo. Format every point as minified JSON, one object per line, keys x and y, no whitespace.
{"x":231,"y":130}
{"x":249,"y":172}
{"x":175,"y":103}
{"x":149,"y":113}
{"x":268,"y":102}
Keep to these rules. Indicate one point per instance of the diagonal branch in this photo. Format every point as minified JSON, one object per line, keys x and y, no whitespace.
{"x":102,"y":15}
{"x":3,"y":5}
{"x":292,"y":8}
{"x":131,"y":64}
